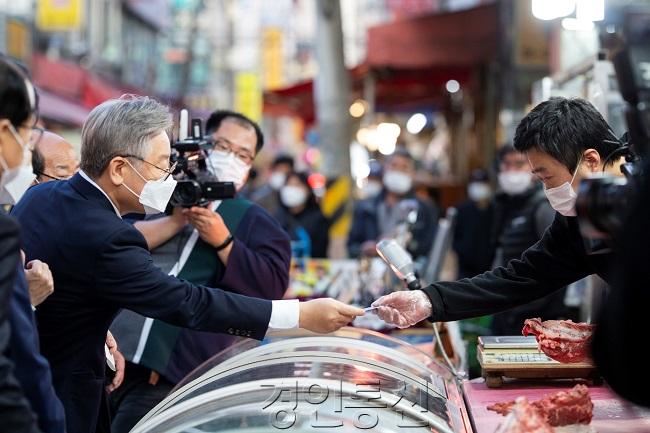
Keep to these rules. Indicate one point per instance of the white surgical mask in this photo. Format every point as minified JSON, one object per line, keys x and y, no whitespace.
{"x":397,"y":182}
{"x":563,"y":197}
{"x":277,"y":180}
{"x":292,"y":196}
{"x":371,"y":189}
{"x":15,"y":181}
{"x":155,"y":194}
{"x":228,"y":168}
{"x":515,"y":182}
{"x":479,"y":191}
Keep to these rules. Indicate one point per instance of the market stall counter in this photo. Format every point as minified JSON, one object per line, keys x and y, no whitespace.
{"x":610,"y":414}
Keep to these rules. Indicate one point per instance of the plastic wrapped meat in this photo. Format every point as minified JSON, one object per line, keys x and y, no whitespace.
{"x":562,"y":340}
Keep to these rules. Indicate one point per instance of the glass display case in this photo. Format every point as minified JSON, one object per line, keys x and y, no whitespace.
{"x":347,"y":381}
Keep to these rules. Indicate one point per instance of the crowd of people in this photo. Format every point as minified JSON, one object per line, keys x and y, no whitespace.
{"x":97,"y":271}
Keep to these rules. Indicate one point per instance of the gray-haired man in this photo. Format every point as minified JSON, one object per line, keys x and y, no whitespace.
{"x":101,"y":263}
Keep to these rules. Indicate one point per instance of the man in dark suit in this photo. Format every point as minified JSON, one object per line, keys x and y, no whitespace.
{"x":101,"y":263}
{"x":27,"y":399}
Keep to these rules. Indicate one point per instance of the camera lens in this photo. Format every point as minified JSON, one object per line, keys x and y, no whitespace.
{"x":186,"y":194}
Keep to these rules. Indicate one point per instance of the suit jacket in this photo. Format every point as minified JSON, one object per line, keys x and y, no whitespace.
{"x":15,"y":412}
{"x":258,"y":266}
{"x":101,"y":264}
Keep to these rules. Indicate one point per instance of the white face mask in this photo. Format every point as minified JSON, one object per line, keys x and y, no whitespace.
{"x":479,"y":191}
{"x":277,"y":180}
{"x":371,"y":189}
{"x":15,"y":181}
{"x":228,"y":168}
{"x":563,"y":197}
{"x":397,"y":182}
{"x":155,"y":194}
{"x":292,"y":196}
{"x":515,"y":182}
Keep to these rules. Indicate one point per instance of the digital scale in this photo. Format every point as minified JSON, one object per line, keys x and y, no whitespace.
{"x":519,"y":357}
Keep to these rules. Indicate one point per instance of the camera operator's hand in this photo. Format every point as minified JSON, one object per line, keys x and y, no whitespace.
{"x":404,"y":308}
{"x":158,"y":231}
{"x":40,"y":281}
{"x":211,"y":229}
{"x":326,"y":315}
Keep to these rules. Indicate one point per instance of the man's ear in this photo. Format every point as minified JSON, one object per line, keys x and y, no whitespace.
{"x":4,"y":132}
{"x":116,"y":170}
{"x":592,"y":160}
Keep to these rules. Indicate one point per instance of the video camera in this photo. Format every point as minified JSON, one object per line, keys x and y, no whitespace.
{"x":196,"y":185}
{"x":603,"y":201}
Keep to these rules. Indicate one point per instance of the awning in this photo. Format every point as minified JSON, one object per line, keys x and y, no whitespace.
{"x":58,"y":109}
{"x":465,"y":38}
{"x":411,"y":60}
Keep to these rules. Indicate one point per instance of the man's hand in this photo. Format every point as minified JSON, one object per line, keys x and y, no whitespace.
{"x":209,"y":224}
{"x":40,"y":281}
{"x":326,"y":315}
{"x":119,"y":363}
{"x":404,"y":308}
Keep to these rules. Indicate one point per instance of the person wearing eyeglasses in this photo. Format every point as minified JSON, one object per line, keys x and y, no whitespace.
{"x":102,"y":264}
{"x":28,"y":402}
{"x":240,"y":248}
{"x":53,"y":158}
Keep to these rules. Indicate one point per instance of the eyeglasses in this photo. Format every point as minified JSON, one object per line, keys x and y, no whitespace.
{"x":169,"y":171}
{"x":35,"y":135}
{"x":40,"y":173}
{"x":223,"y":145}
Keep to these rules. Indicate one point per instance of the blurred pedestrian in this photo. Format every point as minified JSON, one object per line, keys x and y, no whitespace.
{"x":473,"y":223}
{"x":267,"y":195}
{"x":301,"y":216}
{"x":379,"y":217}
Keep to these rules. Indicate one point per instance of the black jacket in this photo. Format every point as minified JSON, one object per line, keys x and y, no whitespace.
{"x":15,"y":412}
{"x":559,"y":258}
{"x":365,"y":226}
{"x":100,"y":264}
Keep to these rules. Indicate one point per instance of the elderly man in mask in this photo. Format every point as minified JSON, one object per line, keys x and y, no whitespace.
{"x":101,"y":264}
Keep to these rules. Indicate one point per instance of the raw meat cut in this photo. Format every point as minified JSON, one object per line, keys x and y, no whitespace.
{"x":524,"y":418}
{"x":562,"y":340}
{"x":559,"y":409}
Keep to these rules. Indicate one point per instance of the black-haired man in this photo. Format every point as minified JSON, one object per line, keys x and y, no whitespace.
{"x":565,"y":140}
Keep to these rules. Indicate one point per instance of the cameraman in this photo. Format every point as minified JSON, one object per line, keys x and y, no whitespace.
{"x":255,"y":263}
{"x":565,"y":141}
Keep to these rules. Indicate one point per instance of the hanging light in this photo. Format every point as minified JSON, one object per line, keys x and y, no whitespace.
{"x":416,"y":123}
{"x":590,"y":10}
{"x":551,"y":9}
{"x":577,"y":25}
{"x":452,"y":86}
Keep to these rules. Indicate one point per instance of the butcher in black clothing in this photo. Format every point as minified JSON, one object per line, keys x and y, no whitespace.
{"x":565,"y":140}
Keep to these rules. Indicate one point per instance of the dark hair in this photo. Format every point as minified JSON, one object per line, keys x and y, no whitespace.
{"x":15,"y":103}
{"x":304,"y":179}
{"x":504,"y":151}
{"x":218,"y":117}
{"x":402,"y":152}
{"x":283,"y":158}
{"x":564,"y":128}
{"x":38,"y":162}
